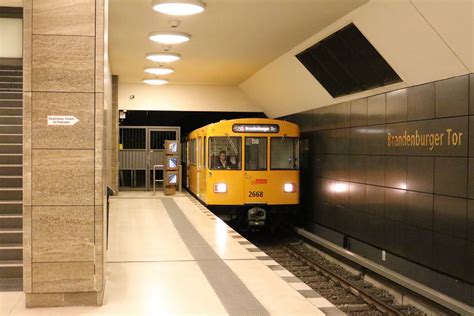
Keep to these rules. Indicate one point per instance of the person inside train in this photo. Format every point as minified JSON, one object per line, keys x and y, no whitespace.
{"x":223,"y":162}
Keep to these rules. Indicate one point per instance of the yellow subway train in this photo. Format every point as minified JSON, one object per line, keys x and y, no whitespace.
{"x":245,"y":170}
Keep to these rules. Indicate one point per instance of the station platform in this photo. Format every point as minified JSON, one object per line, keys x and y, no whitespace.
{"x":172,"y":256}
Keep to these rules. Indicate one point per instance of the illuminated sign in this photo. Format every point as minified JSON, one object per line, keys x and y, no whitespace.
{"x":173,"y":147}
{"x":256,"y":128}
{"x":172,"y":178}
{"x":172,"y":162}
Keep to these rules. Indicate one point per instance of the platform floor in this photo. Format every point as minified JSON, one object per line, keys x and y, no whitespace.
{"x":171,"y":256}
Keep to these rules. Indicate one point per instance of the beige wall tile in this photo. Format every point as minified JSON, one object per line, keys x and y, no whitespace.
{"x":65,"y":17}
{"x":63,"y":277}
{"x":27,"y":148}
{"x":78,"y":136}
{"x":99,"y":47}
{"x":99,"y":149}
{"x":63,"y":177}
{"x":45,"y":300}
{"x":27,"y":35}
{"x":82,"y":299}
{"x":63,"y":233}
{"x":63,"y":63}
{"x":26,"y":249}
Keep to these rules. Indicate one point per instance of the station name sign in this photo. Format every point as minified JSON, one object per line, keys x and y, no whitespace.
{"x":256,"y":128}
{"x":425,"y":140}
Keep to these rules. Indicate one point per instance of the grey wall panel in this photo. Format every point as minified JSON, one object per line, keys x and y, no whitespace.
{"x":395,"y":204}
{"x":396,"y":172}
{"x":376,"y":170}
{"x":470,"y":262}
{"x":449,"y":255}
{"x":420,"y":210}
{"x":375,"y":140}
{"x":420,"y":174}
{"x":470,"y":179}
{"x":397,"y":106}
{"x":358,"y":196}
{"x":342,"y":115}
{"x":451,"y":176}
{"x":359,"y":112}
{"x":421,"y":102}
{"x":376,"y":109}
{"x":450,"y":216}
{"x":470,"y":219}
{"x":452,"y":97}
{"x":376,"y":200}
{"x":358,"y":168}
{"x":358,"y":141}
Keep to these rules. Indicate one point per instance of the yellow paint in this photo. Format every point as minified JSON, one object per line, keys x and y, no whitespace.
{"x":240,"y":183}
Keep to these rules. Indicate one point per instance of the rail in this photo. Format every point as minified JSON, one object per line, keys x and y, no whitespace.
{"x":383,"y":307}
{"x":162,"y":167}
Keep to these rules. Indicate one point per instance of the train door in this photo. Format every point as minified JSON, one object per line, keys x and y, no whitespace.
{"x":203,"y":179}
{"x":255,"y":175}
{"x":199,"y":166}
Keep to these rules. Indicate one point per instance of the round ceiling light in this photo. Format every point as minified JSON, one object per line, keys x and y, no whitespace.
{"x":179,"y":7}
{"x":169,"y":38}
{"x":159,"y":70}
{"x":155,"y":81}
{"x":163,"y":57}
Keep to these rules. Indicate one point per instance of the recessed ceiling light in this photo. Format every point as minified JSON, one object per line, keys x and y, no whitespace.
{"x":179,"y":7}
{"x":163,"y":57}
{"x":159,"y":70}
{"x":169,"y":38}
{"x":155,"y":81}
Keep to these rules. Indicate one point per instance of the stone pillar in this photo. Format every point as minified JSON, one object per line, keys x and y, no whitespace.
{"x":63,"y":163}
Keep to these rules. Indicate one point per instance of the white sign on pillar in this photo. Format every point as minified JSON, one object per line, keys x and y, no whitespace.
{"x":62,"y":120}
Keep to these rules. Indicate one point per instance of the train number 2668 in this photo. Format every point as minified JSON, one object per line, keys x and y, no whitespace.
{"x":255,"y":193}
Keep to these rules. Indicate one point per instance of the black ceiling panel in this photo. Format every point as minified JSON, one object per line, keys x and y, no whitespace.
{"x":346,"y":62}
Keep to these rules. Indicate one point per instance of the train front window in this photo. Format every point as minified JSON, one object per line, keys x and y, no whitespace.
{"x":255,"y":153}
{"x":225,"y":153}
{"x":284,"y":153}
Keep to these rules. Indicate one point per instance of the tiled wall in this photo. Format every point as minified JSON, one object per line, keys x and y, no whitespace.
{"x":63,"y":165}
{"x":413,"y":202}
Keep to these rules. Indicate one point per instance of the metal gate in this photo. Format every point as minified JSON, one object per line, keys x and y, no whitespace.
{"x":142,"y":147}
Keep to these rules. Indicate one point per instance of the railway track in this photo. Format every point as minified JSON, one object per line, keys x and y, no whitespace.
{"x":349,"y":292}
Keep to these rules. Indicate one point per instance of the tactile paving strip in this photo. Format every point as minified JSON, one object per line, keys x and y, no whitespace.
{"x":312,"y":296}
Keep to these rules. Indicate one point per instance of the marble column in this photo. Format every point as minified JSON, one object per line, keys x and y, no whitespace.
{"x":64,"y":164}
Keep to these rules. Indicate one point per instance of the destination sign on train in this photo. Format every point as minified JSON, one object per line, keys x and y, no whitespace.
{"x":252,"y":128}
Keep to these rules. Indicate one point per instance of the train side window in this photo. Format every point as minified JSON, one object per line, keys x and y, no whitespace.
{"x":192,"y":152}
{"x":255,"y":153}
{"x":284,"y":152}
{"x":225,"y":153}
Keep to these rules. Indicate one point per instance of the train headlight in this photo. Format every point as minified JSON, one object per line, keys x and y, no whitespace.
{"x":289,"y":187}
{"x":220,"y":188}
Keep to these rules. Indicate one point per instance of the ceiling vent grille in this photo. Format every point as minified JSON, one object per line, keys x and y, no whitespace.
{"x":345,"y":63}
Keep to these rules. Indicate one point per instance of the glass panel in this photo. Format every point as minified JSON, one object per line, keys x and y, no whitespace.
{"x":284,"y":153}
{"x":255,"y":153}
{"x":192,"y":152}
{"x":225,"y":153}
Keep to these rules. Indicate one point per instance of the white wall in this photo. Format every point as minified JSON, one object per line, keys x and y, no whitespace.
{"x":184,"y":98}
{"x":423,"y":40}
{"x":11,"y":38}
